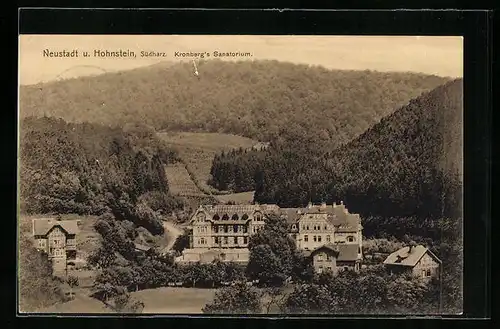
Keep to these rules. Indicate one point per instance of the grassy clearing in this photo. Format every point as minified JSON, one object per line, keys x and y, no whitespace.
{"x":198,"y":150}
{"x":168,"y":300}
{"x":238,"y":198}
{"x":180,"y":183}
{"x":81,"y":304}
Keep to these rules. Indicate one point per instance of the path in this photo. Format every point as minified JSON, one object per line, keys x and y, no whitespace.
{"x":173,"y":232}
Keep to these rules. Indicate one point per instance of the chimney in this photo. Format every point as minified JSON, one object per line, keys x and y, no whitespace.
{"x":309,"y":205}
{"x":323,"y":205}
{"x":341,"y":203}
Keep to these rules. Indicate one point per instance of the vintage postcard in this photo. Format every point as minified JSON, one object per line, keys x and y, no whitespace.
{"x":186,"y":174}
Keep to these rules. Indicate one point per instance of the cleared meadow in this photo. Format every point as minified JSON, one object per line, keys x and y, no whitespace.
{"x":197,"y":150}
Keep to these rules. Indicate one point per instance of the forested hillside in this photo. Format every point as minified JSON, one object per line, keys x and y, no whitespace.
{"x":91,"y":169}
{"x":403,"y":175}
{"x":263,"y":100}
{"x":407,"y":165}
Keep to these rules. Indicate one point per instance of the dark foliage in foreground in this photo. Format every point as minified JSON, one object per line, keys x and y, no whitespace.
{"x":92,"y":169}
{"x":37,"y":288}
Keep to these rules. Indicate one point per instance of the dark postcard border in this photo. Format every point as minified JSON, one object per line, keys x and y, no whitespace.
{"x":474,"y":26}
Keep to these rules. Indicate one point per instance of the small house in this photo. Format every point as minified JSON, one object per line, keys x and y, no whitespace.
{"x":418,"y":260}
{"x":57,"y":238}
{"x":335,"y":258}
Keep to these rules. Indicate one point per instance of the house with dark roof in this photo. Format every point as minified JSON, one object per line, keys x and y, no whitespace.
{"x":58,"y":239}
{"x":418,"y":260}
{"x":335,"y":257}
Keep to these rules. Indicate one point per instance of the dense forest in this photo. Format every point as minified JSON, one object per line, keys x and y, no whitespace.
{"x":407,"y":165}
{"x":92,"y":169}
{"x":263,"y":100}
{"x":403,"y":176}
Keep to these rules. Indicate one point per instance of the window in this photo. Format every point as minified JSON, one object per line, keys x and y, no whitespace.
{"x":326,"y":228}
{"x":235,"y":228}
{"x":319,"y":238}
{"x":244,"y":217}
{"x":428,"y":273}
{"x":226,"y":229}
{"x":346,"y":268}
{"x":225,"y":240}
{"x":293,"y":227}
{"x":216,"y":217}
{"x":245,"y":240}
{"x":314,"y":238}
{"x":230,"y":227}
{"x":235,"y":240}
{"x":327,"y":238}
{"x":235,"y":217}
{"x":245,"y":229}
{"x":307,"y":227}
{"x":306,"y":238}
{"x":216,"y":240}
{"x":350,"y":239}
{"x":320,"y":257}
{"x":225,"y":217}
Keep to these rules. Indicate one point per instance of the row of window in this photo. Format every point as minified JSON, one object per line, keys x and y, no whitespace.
{"x":314,"y":227}
{"x":317,"y":238}
{"x":225,"y":240}
{"x":230,"y":229}
{"x":257,"y":217}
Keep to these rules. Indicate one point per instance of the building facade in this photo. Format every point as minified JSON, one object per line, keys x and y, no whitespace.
{"x":225,"y":230}
{"x":417,"y":260}
{"x":57,"y":239}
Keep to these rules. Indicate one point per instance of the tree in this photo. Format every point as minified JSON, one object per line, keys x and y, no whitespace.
{"x":237,"y":299}
{"x":37,"y":288}
{"x":72,"y":282}
{"x":124,"y":303}
{"x":271,"y":253}
{"x":309,"y":298}
{"x":182,"y":241}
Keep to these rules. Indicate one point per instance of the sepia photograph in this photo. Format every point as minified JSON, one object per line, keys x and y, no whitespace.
{"x":240,"y":174}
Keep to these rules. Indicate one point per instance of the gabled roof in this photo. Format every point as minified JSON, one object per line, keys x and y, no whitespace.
{"x":348,"y":252}
{"x":329,"y":246}
{"x":42,"y":226}
{"x":337,"y":215}
{"x":345,"y":252}
{"x":405,"y":257}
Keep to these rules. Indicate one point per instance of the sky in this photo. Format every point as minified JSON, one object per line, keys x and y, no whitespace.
{"x":441,"y":56}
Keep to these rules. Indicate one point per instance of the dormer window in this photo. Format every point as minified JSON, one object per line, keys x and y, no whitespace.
{"x":216,"y":217}
{"x":225,"y":217}
{"x":350,"y":239}
{"x":293,"y":227}
{"x":235,"y":217}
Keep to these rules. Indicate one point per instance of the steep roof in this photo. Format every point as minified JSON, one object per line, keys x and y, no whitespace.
{"x":405,"y":257}
{"x":337,"y":215}
{"x":329,"y":246}
{"x":41,"y":226}
{"x":345,"y":252}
